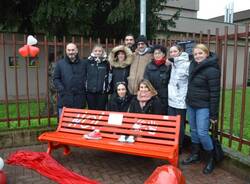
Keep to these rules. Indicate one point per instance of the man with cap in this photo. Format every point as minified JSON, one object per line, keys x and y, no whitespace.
{"x":142,"y":57}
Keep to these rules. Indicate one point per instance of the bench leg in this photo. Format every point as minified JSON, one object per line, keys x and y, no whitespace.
{"x":50,"y":147}
{"x":176,"y":163}
{"x":66,"y":150}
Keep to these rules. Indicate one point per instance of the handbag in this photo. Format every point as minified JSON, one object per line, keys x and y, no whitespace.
{"x":218,"y":151}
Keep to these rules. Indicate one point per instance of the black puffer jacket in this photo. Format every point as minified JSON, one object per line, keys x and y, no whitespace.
{"x":159,"y":77}
{"x":97,"y":75}
{"x":204,"y":85}
{"x":120,"y":71}
{"x":153,"y":106}
{"x":69,"y":80}
{"x":118,"y":104}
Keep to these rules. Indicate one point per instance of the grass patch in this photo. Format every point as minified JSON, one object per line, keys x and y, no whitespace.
{"x":232,"y":118}
{"x":237,"y":113}
{"x":25,"y":109}
{"x":24,"y":124}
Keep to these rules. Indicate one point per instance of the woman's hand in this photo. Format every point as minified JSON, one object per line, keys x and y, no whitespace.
{"x":168,"y":62}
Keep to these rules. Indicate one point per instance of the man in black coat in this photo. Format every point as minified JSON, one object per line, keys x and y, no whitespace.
{"x":69,"y":80}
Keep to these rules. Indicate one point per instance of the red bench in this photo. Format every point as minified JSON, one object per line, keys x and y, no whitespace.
{"x":156,"y":136}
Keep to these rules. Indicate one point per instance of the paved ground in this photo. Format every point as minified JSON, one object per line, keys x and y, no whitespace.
{"x":111,"y":168}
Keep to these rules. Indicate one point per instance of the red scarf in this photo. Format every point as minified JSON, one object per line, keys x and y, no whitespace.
{"x":143,"y":97}
{"x":159,"y":62}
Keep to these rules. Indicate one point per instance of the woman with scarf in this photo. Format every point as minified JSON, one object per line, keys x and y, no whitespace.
{"x":120,"y":59}
{"x":120,"y":99}
{"x":158,"y":73}
{"x":97,"y":82}
{"x":146,"y":101}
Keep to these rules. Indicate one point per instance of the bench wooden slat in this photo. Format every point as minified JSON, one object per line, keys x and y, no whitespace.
{"x":126,"y":114}
{"x":127,"y":132}
{"x":124,"y":125}
{"x":165,"y":141}
{"x":78,"y":140}
{"x":156,"y":136}
{"x":150,"y":129}
{"x":81,"y":118}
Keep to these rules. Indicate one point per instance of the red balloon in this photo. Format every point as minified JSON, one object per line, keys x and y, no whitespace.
{"x":2,"y":177}
{"x":24,"y":51}
{"x":33,"y":51}
{"x":28,"y":50}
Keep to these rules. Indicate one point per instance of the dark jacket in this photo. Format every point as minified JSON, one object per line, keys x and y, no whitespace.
{"x":153,"y":106}
{"x":119,"y":75}
{"x":159,"y":77}
{"x":97,"y":75}
{"x":69,"y":80}
{"x":118,"y":104}
{"x":120,"y":71}
{"x":204,"y":85}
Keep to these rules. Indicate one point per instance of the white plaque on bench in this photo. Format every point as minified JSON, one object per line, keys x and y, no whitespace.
{"x":115,"y":119}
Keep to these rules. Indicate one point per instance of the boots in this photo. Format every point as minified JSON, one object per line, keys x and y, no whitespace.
{"x":209,"y":164}
{"x":194,"y":157}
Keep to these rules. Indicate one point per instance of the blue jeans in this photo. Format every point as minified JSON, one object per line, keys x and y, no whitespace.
{"x":199,"y":126}
{"x":59,"y":112}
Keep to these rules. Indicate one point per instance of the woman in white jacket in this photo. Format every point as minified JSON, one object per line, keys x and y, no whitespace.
{"x":177,"y":87}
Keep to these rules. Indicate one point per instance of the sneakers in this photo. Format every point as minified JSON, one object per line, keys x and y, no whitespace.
{"x":122,"y":138}
{"x":129,"y":139}
{"x":94,"y":135}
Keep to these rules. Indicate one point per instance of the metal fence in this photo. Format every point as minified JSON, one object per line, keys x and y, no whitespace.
{"x":24,"y":84}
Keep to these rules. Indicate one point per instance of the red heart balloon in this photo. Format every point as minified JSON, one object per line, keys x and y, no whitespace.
{"x":33,"y":51}
{"x":24,"y":51}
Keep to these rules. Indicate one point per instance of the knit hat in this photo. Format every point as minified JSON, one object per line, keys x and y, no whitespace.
{"x":143,"y":39}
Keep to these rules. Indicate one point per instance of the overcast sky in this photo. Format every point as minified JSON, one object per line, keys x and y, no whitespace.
{"x":214,"y":8}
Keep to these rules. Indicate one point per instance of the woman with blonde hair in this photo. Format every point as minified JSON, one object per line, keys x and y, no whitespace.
{"x":146,"y":100}
{"x":97,"y":80}
{"x":203,"y":97}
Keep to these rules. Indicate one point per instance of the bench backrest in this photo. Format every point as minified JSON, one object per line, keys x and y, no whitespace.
{"x":158,"y":129}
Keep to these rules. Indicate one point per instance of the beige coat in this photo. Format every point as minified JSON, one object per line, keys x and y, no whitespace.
{"x":137,"y":70}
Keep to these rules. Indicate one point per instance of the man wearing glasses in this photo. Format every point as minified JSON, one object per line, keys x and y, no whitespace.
{"x":142,"y":57}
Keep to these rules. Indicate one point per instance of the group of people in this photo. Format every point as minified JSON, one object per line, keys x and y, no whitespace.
{"x":141,"y":79}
